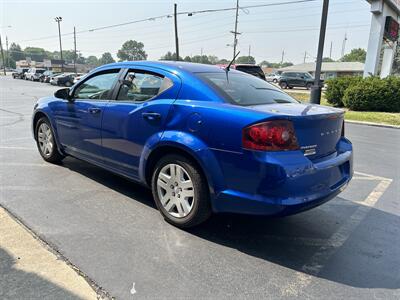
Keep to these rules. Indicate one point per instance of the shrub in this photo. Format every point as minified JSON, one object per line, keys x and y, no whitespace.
{"x":374,"y":94}
{"x":336,"y":88}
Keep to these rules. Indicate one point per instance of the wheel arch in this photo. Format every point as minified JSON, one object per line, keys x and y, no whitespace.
{"x":36,"y":117}
{"x":201,"y":156}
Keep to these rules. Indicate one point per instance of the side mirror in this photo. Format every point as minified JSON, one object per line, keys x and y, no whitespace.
{"x":63,"y":94}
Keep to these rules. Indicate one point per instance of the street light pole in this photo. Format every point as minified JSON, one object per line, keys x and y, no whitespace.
{"x":235,"y":33}
{"x":2,"y":57}
{"x":58,"y":20}
{"x":315,"y":96}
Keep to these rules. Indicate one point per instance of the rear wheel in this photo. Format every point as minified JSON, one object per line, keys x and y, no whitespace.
{"x":283,"y":85}
{"x":309,"y":86}
{"x":46,"y":142}
{"x":180,"y":192}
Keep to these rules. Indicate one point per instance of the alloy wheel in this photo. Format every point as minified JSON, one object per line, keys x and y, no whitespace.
{"x":45,"y":139}
{"x":175,"y":190}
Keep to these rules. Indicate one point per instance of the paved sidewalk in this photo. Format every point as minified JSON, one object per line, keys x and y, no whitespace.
{"x":28,"y":270}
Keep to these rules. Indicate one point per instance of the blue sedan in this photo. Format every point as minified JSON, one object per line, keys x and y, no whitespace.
{"x":204,"y":139}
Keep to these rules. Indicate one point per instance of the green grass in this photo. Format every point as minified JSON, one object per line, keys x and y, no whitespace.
{"x":364,"y":116}
{"x":372,"y":116}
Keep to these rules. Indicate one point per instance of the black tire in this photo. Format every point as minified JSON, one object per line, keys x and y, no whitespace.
{"x":54,"y":156}
{"x":309,"y":86}
{"x":283,"y":85}
{"x":290,"y":87}
{"x":68,"y":84}
{"x":274,"y":80}
{"x":201,"y":209}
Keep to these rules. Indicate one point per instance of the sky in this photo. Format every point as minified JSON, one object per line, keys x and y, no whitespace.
{"x":292,"y":28}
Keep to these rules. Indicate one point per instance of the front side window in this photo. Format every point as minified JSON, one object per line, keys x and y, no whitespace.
{"x":97,"y":87}
{"x":243,"y":89}
{"x":141,"y":86}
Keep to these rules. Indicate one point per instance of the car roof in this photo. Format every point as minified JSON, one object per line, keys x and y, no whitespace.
{"x":170,"y":66}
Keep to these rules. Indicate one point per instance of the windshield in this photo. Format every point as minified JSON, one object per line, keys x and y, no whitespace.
{"x":242,"y":89}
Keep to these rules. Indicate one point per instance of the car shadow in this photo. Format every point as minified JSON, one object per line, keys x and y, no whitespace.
{"x":368,"y":258}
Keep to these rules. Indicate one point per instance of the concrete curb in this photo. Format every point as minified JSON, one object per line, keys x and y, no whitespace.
{"x":373,"y":124}
{"x":91,"y":291}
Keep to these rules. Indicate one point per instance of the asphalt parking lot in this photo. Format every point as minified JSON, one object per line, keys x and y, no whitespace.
{"x":110,"y":229}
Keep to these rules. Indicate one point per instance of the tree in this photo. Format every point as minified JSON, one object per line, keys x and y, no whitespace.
{"x":16,"y":52}
{"x":358,"y":54}
{"x":285,"y":64}
{"x":170,"y":56}
{"x":106,"y":58}
{"x":265,"y":63}
{"x":92,"y":61}
{"x":327,"y":59}
{"x":202,"y":59}
{"x":132,"y":50}
{"x":35,"y":53}
{"x":246,"y":60}
{"x":223,"y":61}
{"x":213,"y":59}
{"x":187,"y":59}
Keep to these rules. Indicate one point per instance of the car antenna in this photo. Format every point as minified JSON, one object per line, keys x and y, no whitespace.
{"x":229,"y":65}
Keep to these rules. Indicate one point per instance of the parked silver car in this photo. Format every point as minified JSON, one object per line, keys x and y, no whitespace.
{"x":34,"y":74}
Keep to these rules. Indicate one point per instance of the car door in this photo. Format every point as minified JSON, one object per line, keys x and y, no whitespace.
{"x":139,"y":112}
{"x":79,"y":120}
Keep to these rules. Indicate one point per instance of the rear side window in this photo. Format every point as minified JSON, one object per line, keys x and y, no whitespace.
{"x":142,"y":86}
{"x":243,"y":89}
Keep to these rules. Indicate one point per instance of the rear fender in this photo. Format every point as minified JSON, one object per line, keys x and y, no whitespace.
{"x":192,"y":146}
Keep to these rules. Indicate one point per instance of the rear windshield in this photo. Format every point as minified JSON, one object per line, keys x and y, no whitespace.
{"x":243,"y":89}
{"x":40,"y":71}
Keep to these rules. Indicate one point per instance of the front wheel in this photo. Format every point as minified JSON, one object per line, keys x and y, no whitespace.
{"x":309,"y":86}
{"x":283,"y":85}
{"x":180,"y":191}
{"x":46,"y":142}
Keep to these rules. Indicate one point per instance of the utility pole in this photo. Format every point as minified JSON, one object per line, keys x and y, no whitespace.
{"x":235,"y":33}
{"x":330,"y":51}
{"x":74,"y":50}
{"x":283,"y":55}
{"x":176,"y":32}
{"x":201,"y":52}
{"x":2,"y":57}
{"x":58,"y":20}
{"x":344,"y":43}
{"x":8,"y":54}
{"x":249,"y":50}
{"x":305,"y":56}
{"x":315,"y":96}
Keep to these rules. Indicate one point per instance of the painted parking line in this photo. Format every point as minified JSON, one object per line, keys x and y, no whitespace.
{"x":320,"y":258}
{"x":16,"y":148}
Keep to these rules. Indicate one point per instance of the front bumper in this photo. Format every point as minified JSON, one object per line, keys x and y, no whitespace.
{"x":283,"y":183}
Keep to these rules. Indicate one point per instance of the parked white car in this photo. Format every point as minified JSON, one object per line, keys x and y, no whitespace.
{"x":34,"y":74}
{"x":272,"y":77}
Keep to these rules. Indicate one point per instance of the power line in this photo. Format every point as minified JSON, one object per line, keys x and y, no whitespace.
{"x":190,"y":13}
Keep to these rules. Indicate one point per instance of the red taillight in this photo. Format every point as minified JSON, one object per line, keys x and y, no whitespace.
{"x":277,"y":135}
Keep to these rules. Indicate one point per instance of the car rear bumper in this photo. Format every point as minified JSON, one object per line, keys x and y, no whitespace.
{"x":284,"y":183}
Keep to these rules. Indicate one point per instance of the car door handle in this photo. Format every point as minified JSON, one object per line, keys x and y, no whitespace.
{"x":151,"y":116}
{"x":94,"y":110}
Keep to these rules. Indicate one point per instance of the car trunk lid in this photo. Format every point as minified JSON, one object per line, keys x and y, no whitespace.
{"x":318,"y":128}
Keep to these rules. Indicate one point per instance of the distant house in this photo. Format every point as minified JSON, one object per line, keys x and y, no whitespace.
{"x":329,"y":69}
